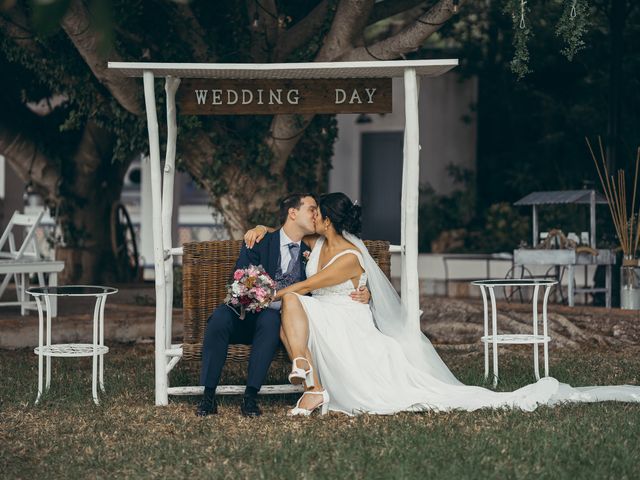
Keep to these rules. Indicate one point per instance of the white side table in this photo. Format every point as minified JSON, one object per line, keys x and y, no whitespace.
{"x":96,"y":349}
{"x":493,"y":338}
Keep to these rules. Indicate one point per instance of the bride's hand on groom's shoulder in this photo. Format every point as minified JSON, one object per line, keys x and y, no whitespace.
{"x":254,"y":235}
{"x":361,"y":295}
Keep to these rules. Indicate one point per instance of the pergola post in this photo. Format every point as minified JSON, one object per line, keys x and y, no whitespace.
{"x":410,"y":289}
{"x":162,"y":397}
{"x":171,"y":86}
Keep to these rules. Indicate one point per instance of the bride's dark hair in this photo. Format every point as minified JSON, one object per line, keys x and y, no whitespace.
{"x":344,"y":215}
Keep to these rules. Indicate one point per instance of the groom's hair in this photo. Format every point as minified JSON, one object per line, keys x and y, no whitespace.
{"x":293,"y":200}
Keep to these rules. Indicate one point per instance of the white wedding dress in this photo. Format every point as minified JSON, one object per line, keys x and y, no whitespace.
{"x":366,"y":371}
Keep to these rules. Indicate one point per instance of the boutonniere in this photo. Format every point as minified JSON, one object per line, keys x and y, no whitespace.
{"x":305,"y":256}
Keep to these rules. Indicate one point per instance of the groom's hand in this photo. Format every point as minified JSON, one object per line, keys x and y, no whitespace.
{"x":361,"y":295}
{"x":254,"y":235}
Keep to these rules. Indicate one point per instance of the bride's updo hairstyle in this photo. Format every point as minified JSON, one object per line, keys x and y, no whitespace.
{"x":344,"y":215}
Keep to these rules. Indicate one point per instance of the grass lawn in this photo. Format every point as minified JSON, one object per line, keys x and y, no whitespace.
{"x":127,"y":437}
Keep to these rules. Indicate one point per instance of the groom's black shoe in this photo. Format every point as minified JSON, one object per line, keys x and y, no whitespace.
{"x":208,"y":405}
{"x":249,"y":407}
{"x":206,"y":408}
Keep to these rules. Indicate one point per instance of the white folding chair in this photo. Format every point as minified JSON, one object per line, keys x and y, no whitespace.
{"x":28,"y":249}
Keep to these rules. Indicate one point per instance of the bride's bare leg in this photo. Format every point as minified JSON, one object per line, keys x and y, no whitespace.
{"x":295,"y":328}
{"x":285,"y":342}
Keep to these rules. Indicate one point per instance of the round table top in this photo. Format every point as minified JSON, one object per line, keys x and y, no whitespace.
{"x":72,"y":290}
{"x":514,"y":282}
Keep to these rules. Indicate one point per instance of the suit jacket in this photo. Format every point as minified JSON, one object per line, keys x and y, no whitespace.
{"x":267,"y":254}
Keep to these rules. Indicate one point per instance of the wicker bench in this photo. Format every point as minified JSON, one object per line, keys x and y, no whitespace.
{"x":206,"y":270}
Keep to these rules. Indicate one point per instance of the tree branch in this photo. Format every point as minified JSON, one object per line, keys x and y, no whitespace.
{"x":193,"y":34}
{"x":264,"y":35}
{"x":348,"y":22}
{"x":389,"y":8}
{"x":408,"y":39}
{"x":286,"y":132}
{"x":125,"y":90}
{"x":27,"y":160}
{"x":298,"y":35}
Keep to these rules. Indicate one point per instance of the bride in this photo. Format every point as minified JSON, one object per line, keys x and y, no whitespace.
{"x":358,"y":358}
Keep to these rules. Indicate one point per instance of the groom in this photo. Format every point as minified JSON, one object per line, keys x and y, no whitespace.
{"x":281,"y":255}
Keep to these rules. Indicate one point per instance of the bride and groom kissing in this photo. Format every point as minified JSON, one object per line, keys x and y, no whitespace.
{"x":352,"y":345}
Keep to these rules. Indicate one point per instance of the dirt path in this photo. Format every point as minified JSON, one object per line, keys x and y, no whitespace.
{"x":460,"y":322}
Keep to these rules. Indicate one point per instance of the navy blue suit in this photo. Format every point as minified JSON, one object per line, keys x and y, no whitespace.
{"x":261,"y":330}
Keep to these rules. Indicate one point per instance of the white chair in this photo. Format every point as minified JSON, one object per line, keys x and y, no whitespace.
{"x":23,"y":258}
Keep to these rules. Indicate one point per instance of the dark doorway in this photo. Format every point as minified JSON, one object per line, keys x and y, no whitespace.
{"x":381,"y":185}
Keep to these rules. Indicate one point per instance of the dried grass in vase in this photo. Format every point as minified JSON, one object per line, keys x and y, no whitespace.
{"x":615,"y":191}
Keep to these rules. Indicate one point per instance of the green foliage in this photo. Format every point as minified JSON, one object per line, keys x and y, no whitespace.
{"x":503,"y":230}
{"x":498,"y":227}
{"x":439,"y":213}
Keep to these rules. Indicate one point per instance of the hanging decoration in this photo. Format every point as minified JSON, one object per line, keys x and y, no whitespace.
{"x":571,"y":27}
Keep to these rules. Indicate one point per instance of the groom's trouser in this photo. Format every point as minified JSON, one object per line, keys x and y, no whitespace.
{"x":260,"y":330}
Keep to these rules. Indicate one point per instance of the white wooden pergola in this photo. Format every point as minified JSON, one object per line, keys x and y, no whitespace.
{"x":162,"y":179}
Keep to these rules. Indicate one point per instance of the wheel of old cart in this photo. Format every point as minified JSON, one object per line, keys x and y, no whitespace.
{"x":515,"y":293}
{"x":123,"y":244}
{"x":557,"y":273}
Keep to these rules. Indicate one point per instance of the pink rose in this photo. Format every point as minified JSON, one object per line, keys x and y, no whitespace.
{"x":237,"y":275}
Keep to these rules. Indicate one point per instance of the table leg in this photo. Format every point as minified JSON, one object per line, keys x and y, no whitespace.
{"x":94,"y":375}
{"x":607,"y":284}
{"x":21,"y":293}
{"x":53,"y":282}
{"x":47,"y":303}
{"x":486,"y":331}
{"x":570,"y":287}
{"x":40,"y":347}
{"x":494,"y":333}
{"x":103,"y":301}
{"x":545,"y":329}
{"x":536,"y":367}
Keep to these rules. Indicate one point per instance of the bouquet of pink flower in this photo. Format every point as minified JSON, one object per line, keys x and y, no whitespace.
{"x":252,"y":290}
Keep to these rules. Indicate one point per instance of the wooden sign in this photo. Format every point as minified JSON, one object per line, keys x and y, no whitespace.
{"x":270,"y":97}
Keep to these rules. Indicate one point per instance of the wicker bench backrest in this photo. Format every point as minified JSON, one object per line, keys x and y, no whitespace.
{"x":206,"y":270}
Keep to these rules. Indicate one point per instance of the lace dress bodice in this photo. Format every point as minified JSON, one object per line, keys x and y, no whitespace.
{"x":344,"y":288}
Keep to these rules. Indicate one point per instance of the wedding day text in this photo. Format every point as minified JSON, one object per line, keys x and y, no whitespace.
{"x":269,"y":97}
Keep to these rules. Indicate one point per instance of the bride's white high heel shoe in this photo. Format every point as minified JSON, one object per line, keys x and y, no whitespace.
{"x":303,"y":412}
{"x":299,"y":375}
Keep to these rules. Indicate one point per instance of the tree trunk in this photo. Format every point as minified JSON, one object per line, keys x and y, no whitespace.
{"x":245,"y":196}
{"x":91,"y":260}
{"x":91,"y":186}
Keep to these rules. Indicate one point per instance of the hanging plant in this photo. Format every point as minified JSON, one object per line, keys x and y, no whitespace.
{"x":572,"y":26}
{"x":522,"y":33}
